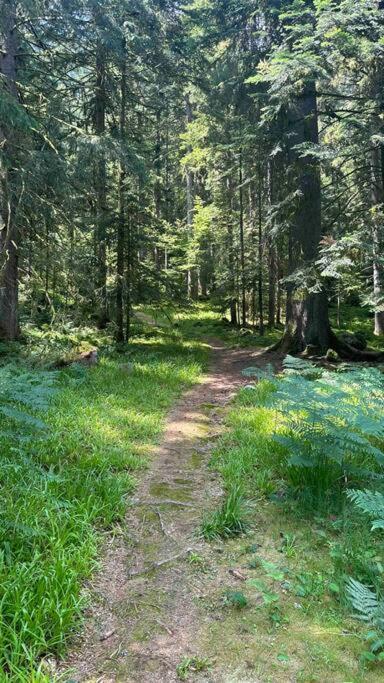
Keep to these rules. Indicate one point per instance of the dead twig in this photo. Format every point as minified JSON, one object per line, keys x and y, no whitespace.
{"x":237,"y":574}
{"x":164,"y":626}
{"x":162,"y":526}
{"x":166,"y":501}
{"x":157,"y":565}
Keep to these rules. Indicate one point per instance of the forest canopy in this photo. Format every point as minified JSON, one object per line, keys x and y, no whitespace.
{"x":165,"y":151}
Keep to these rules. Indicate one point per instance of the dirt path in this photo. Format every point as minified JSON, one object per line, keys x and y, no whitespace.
{"x":145,"y":615}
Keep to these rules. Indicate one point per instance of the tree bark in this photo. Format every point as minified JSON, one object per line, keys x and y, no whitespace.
{"x":192,"y":277}
{"x":9,"y":230}
{"x":307,"y":321}
{"x":157,"y":189}
{"x":260,"y":252}
{"x":101,"y":182}
{"x":242,"y":250}
{"x":121,"y":218}
{"x":272,"y":257}
{"x":377,"y":237}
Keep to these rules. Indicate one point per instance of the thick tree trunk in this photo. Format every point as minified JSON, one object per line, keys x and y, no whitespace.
{"x":307,"y":322}
{"x":377,"y":237}
{"x":9,"y":231}
{"x":306,"y":329}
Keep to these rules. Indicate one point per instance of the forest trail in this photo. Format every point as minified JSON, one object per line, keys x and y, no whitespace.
{"x":145,"y":615}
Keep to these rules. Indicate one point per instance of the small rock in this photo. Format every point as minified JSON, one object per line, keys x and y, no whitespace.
{"x":107,"y":634}
{"x":237,"y":574}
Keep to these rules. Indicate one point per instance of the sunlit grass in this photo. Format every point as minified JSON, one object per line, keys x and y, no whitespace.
{"x":63,"y":488}
{"x":295,"y":554}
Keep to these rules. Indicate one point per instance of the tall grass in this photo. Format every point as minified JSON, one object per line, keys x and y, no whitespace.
{"x":65,"y":480}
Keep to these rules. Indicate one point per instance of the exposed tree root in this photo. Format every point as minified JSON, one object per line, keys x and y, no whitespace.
{"x":288,"y":343}
{"x":348,"y":352}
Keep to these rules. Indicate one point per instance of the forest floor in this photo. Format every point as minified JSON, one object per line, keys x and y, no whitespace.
{"x":167,"y":605}
{"x":146,"y":614}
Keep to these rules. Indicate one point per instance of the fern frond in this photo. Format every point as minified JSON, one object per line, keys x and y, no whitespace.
{"x":371,"y":503}
{"x":364,"y":601}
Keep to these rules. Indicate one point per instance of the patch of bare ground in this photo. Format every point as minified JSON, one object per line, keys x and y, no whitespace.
{"x":147,"y":599}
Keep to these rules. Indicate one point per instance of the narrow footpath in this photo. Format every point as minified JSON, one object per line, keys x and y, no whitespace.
{"x":145,"y":614}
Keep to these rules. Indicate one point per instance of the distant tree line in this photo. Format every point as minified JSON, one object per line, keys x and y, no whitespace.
{"x":158,"y":150}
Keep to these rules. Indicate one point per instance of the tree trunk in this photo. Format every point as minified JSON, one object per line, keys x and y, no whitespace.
{"x":377,"y":237}
{"x":272,"y":258}
{"x":231,"y":256}
{"x":9,"y":232}
{"x":192,"y":277}
{"x":128,"y":280}
{"x":260,"y":250}
{"x":101,"y":184}
{"x":157,"y":190}
{"x":307,"y":321}
{"x":121,"y":218}
{"x":242,"y":251}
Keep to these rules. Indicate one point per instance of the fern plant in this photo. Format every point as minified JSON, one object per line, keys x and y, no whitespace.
{"x":371,"y":503}
{"x":332,"y":426}
{"x":23,"y":393}
{"x":370,"y":609}
{"x":368,"y":603}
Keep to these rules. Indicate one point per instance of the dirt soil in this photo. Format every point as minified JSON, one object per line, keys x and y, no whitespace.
{"x":146,"y":598}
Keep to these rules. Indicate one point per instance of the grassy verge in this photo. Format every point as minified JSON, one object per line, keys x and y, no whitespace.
{"x":356,"y":319}
{"x":286,"y":480}
{"x":72,"y":442}
{"x":203,"y":319}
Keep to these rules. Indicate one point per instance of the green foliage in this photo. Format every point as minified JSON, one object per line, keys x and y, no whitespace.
{"x":190,"y":665}
{"x":67,"y":483}
{"x":229,"y":520}
{"x":370,"y":609}
{"x":332,"y":427}
{"x":368,"y":603}
{"x":372,"y":504}
{"x":235,"y":599}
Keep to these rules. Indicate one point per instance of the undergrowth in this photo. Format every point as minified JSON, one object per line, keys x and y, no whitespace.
{"x":71,"y":441}
{"x":306,"y":450}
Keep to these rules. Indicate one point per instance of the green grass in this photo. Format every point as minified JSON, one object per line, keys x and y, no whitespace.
{"x":303,"y":551}
{"x":205,"y":320}
{"x":230,"y":519}
{"x":67,"y":483}
{"x":356,"y":319}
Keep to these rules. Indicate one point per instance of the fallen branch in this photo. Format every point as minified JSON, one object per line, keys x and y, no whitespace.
{"x":157,"y":565}
{"x":166,"y":501}
{"x":162,"y":526}
{"x":164,"y":626}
